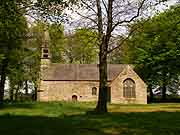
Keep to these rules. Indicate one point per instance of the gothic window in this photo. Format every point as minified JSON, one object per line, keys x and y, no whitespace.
{"x":94,"y":91}
{"x":129,"y":88}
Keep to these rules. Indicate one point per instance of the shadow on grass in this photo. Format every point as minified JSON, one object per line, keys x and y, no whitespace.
{"x":28,"y":105}
{"x":149,"y":123}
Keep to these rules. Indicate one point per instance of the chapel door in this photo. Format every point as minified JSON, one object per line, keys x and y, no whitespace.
{"x":74,"y":98}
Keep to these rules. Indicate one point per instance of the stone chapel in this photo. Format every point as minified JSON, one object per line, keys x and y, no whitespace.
{"x":80,"y":82}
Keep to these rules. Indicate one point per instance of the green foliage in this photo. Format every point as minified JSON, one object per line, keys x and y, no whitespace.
{"x":48,"y":10}
{"x":81,"y":47}
{"x":119,"y":55}
{"x":56,"y":39}
{"x":56,"y":32}
{"x":12,"y":25}
{"x":13,"y":30}
{"x":155,"y":47}
{"x":1,"y":57}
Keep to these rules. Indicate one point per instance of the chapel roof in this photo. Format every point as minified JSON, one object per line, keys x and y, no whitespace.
{"x":80,"y":72}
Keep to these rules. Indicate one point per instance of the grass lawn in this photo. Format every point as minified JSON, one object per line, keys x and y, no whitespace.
{"x":62,"y":118}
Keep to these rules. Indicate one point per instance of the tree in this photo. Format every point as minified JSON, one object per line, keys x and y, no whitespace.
{"x":13,"y":29}
{"x":56,"y":32}
{"x":108,"y":17}
{"x":119,"y":55}
{"x":155,"y":50}
{"x":81,"y":46}
{"x":78,"y":47}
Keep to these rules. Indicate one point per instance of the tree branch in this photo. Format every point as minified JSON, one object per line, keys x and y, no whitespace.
{"x":132,"y":19}
{"x":133,"y":29}
{"x":122,"y":41}
{"x":88,"y":6}
{"x":87,"y":17}
{"x":105,"y":5}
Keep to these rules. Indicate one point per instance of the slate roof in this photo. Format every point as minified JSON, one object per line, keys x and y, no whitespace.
{"x":80,"y":72}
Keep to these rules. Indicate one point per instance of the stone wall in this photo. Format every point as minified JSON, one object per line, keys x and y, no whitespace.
{"x":117,"y":88}
{"x":64,"y":90}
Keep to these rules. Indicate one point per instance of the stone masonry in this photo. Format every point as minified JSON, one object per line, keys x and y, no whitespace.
{"x":58,"y":90}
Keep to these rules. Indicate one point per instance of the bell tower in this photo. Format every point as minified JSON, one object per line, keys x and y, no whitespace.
{"x":45,"y":51}
{"x":45,"y":61}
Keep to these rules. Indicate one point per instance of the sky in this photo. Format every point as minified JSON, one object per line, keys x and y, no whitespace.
{"x":69,"y":27}
{"x":75,"y":23}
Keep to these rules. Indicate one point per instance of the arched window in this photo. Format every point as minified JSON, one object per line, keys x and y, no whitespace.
{"x":129,"y":88}
{"x":94,"y":91}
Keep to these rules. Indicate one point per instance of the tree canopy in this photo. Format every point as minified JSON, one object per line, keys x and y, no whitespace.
{"x":13,"y":30}
{"x":155,"y":48}
{"x":81,"y":46}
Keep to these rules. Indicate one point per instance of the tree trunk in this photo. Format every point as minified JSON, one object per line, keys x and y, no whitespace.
{"x":164,"y":91}
{"x":151,"y":93}
{"x":3,"y":79}
{"x":11,"y":94}
{"x":35,"y":94}
{"x":16,"y":94}
{"x":103,"y":51}
{"x":164,"y":86}
{"x":102,"y":98}
{"x":26,"y":87}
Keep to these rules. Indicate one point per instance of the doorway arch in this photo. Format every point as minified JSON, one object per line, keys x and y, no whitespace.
{"x":74,"y":98}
